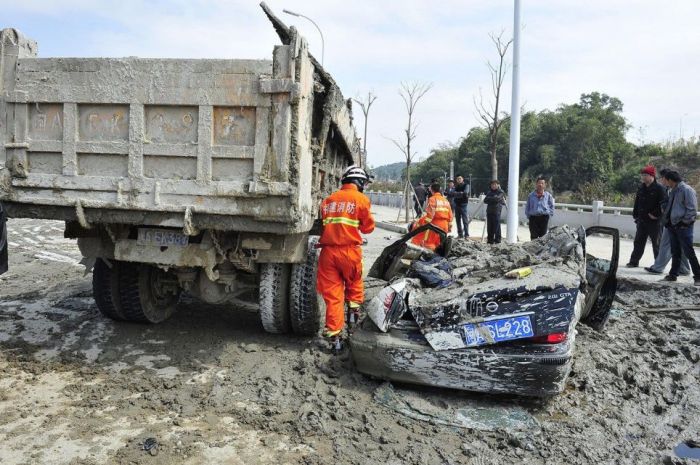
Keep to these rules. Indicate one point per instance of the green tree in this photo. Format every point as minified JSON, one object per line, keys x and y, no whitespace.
{"x":591,"y":140}
{"x":580,"y":146}
{"x":436,"y":165}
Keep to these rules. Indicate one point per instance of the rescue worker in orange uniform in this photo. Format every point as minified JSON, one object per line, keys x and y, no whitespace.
{"x":345,"y":214}
{"x":437,"y":212}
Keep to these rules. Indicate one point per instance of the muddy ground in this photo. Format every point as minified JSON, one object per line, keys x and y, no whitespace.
{"x":213,"y":388}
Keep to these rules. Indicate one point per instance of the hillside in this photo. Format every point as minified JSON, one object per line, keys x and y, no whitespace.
{"x":390,"y":172}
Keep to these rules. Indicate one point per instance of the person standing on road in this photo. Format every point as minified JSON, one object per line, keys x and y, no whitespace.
{"x":461,"y":206}
{"x":494,"y":200}
{"x":539,"y":208}
{"x":665,"y":245}
{"x":679,"y":218}
{"x":647,"y":214}
{"x":450,"y":193}
{"x":419,"y":196}
{"x":437,"y":212}
{"x":344,"y":214}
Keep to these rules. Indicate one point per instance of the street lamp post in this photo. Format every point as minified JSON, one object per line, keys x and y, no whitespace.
{"x":323,"y":44}
{"x":514,"y":155}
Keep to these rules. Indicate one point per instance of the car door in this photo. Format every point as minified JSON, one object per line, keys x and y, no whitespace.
{"x":601,"y":277}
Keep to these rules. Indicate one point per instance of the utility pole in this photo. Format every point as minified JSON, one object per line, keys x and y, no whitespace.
{"x":514,"y":156}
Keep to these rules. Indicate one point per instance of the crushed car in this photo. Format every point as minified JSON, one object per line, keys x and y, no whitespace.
{"x":479,"y":317}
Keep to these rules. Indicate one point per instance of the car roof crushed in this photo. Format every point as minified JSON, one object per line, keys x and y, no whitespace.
{"x":557,"y":263}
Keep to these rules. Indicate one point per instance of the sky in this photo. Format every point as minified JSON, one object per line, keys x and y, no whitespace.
{"x":644,"y":52}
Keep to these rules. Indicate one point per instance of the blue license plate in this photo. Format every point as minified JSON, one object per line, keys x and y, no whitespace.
{"x":505,"y":329}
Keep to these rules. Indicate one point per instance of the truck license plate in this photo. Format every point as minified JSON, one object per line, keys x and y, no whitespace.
{"x":505,"y":329}
{"x":161,"y":237}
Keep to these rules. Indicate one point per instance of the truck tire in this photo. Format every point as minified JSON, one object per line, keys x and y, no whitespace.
{"x":274,"y":289}
{"x":306,"y":308}
{"x":105,"y":289}
{"x":147,"y":294}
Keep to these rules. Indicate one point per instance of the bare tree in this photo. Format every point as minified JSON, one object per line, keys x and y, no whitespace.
{"x":411,"y":95}
{"x":365,"y":104}
{"x":491,"y":116}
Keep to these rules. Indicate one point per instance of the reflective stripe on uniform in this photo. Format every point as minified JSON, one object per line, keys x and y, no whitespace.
{"x":427,"y":231}
{"x":342,"y":220}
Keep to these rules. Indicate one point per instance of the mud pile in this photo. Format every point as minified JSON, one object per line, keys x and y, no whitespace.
{"x":644,"y":294}
{"x":555,"y":259}
{"x":477,"y":262}
{"x":213,"y":388}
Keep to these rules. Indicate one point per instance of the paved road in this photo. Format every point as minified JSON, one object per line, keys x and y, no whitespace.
{"x":597,"y":246}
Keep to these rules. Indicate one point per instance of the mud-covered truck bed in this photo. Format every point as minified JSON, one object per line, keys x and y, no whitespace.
{"x":177,"y":174}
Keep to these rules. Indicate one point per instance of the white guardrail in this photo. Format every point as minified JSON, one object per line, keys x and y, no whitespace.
{"x":595,"y":214}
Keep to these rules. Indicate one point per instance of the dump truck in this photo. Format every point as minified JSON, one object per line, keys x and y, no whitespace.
{"x":179,"y":175}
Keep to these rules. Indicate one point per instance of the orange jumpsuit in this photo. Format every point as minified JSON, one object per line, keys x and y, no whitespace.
{"x":345,"y":214}
{"x":437,"y":212}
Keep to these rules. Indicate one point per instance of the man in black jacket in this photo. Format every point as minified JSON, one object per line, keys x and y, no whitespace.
{"x":494,"y":201}
{"x":450,"y":193}
{"x":461,"y":205}
{"x":647,"y":214}
{"x":419,"y":197}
